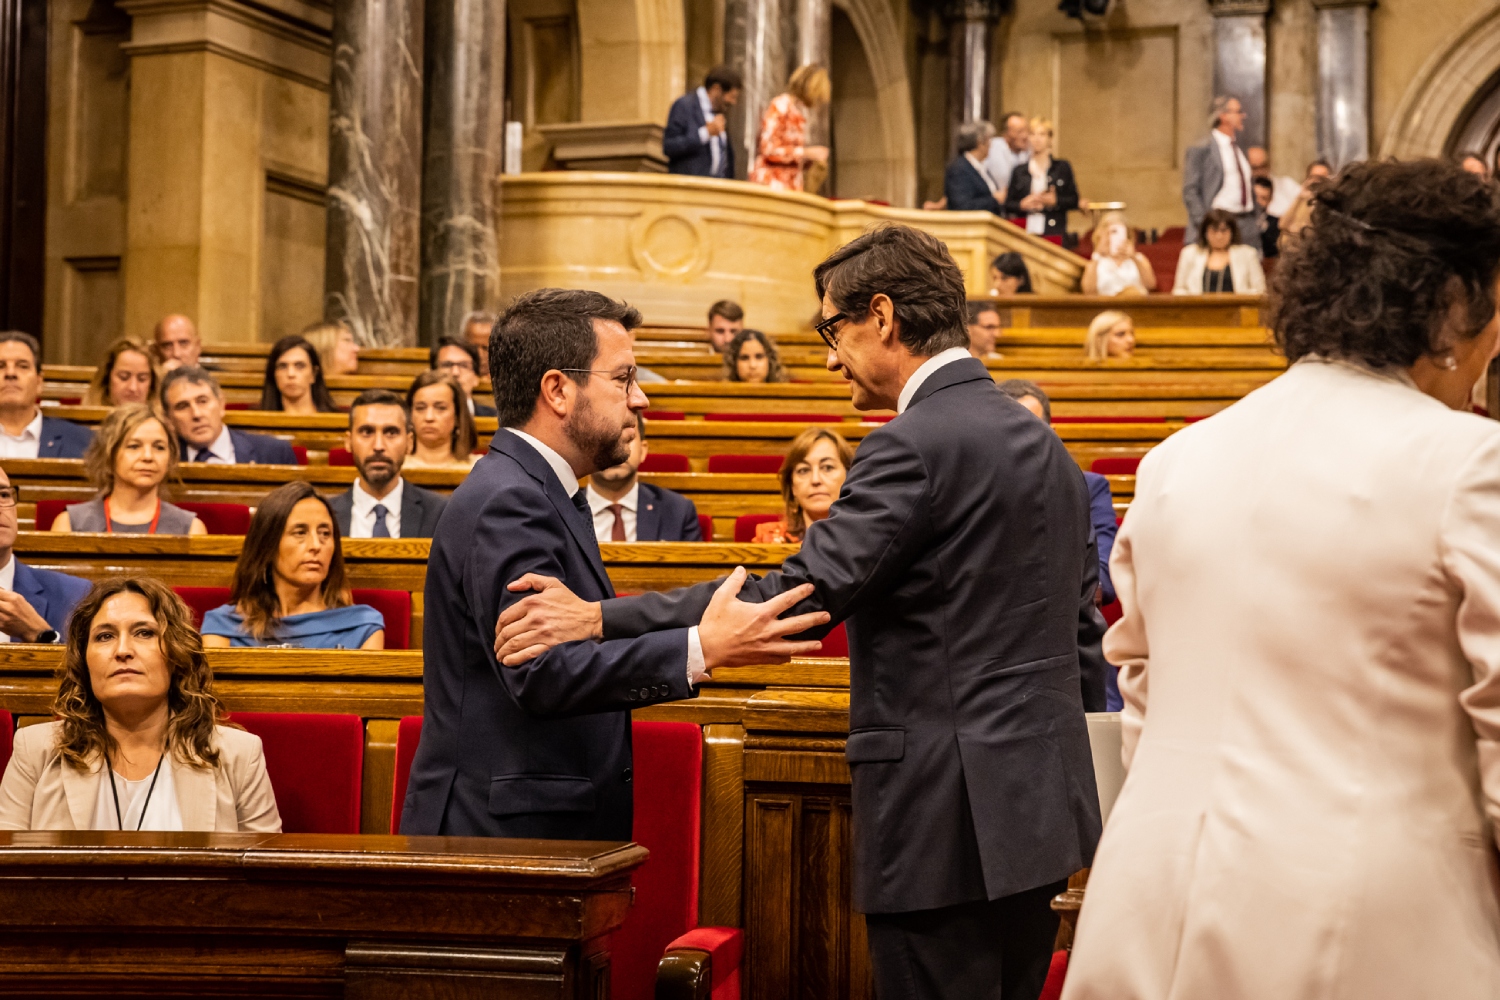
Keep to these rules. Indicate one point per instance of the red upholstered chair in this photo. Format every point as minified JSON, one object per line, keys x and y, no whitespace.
{"x":877,"y":419}
{"x":1056,"y":972}
{"x":666,"y":462}
{"x":835,"y":643}
{"x":201,"y":600}
{"x":777,"y":418}
{"x":7,"y":738}
{"x":340,"y":456}
{"x":1109,"y":420}
{"x":301,"y":454}
{"x":70,"y":401}
{"x":238,"y":406}
{"x":47,"y":511}
{"x":1111,"y":612}
{"x":221,"y":518}
{"x":315,"y":765}
{"x":408,"y":735}
{"x":664,"y":415}
{"x":395,"y":606}
{"x":706,"y":527}
{"x":745,"y":525}
{"x":1115,"y":466}
{"x":745,"y":463}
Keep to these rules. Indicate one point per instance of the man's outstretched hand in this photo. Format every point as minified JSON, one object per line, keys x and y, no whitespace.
{"x":539,"y":621}
{"x":736,"y":633}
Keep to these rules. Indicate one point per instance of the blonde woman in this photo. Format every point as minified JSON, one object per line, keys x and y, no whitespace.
{"x":782,"y":155}
{"x":1117,"y":268}
{"x":132,"y":454}
{"x":1042,"y":189}
{"x":127,"y":375}
{"x":811,"y":477}
{"x":1111,"y":337}
{"x":335,"y":344}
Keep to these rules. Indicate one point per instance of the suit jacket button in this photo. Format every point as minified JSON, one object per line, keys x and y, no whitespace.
{"x":633,"y":695}
{"x":626,"y":774}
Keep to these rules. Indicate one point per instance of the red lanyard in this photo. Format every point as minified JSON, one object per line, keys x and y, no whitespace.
{"x":108,"y":521}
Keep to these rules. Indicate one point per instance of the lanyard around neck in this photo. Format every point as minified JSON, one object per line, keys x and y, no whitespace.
{"x":110,"y":772}
{"x":109,"y":521}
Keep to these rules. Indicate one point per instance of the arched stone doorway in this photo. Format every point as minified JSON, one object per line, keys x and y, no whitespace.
{"x":879,"y":145}
{"x":1454,"y":101}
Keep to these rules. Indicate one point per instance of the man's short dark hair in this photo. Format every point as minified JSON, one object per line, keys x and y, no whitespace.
{"x":728,"y":309}
{"x":542,"y":330}
{"x":1020,"y":388}
{"x":725,"y":76}
{"x":1263,"y":182}
{"x":1319,"y":162}
{"x":20,"y":337}
{"x":462,"y":345}
{"x":379,"y":397}
{"x":911,"y":267}
{"x":193,"y":374}
{"x":979,"y":308}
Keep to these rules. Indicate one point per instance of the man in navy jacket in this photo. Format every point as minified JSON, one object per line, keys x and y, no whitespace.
{"x":696,"y":139}
{"x":194,"y":403}
{"x":34,"y":603}
{"x":625,"y":509}
{"x":24,"y":431}
{"x":544,"y":750}
{"x":967,"y":184}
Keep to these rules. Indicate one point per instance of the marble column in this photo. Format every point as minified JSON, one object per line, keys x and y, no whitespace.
{"x":1343,"y":80}
{"x":463,"y":152}
{"x":375,"y":170}
{"x":971,"y":31}
{"x":815,"y":45}
{"x":760,"y":40}
{"x":1240,"y":61}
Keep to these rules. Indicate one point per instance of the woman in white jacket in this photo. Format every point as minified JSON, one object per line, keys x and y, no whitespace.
{"x":1218,"y":263}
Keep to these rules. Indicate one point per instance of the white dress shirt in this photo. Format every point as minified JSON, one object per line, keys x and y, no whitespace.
{"x":1002,"y":161}
{"x":1235,"y":194}
{"x":715,"y":143}
{"x":161,"y":811}
{"x":604,"y":518}
{"x":923,"y":373}
{"x":221,"y":451}
{"x":1284,"y":193}
{"x":362,"y":512}
{"x":8,"y":582}
{"x":983,"y":172}
{"x":28,"y":444}
{"x":1036,"y":222}
{"x":696,"y":670}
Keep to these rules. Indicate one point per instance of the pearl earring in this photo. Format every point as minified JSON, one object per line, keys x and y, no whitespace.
{"x":1450,"y":362}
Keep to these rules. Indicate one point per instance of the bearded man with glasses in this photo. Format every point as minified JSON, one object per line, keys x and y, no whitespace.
{"x":34,"y":603}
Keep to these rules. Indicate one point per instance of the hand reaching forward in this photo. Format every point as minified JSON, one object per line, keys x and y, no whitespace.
{"x":536,"y":623}
{"x":736,"y":633}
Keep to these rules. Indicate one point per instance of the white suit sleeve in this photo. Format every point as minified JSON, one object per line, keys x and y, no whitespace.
{"x":1125,"y":642}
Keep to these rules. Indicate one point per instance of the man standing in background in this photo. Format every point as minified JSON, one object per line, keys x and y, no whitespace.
{"x":696,"y":139}
{"x":1011,"y":149}
{"x":1216,"y":174}
{"x":725,"y":320}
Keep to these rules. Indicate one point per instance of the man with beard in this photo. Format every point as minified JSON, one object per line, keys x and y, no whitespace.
{"x":544,"y":750}
{"x":381,"y":504}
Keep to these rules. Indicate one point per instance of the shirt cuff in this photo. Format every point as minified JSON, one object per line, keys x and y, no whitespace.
{"x":697,"y":672}
{"x":703,"y":136}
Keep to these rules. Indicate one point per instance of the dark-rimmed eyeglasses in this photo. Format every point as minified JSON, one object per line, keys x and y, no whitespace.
{"x":9,"y":495}
{"x":626,"y":380}
{"x":825,"y":329}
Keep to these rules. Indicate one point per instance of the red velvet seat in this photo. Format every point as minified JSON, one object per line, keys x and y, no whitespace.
{"x":315,"y":763}
{"x":408,"y":735}
{"x":340,"y":457}
{"x":218,"y":518}
{"x":664,"y":415}
{"x":300,"y":453}
{"x":202,"y":600}
{"x":1111,"y":612}
{"x":1056,"y":973}
{"x":7,"y":738}
{"x":1115,"y":466}
{"x":745,"y":463}
{"x":745,"y":525}
{"x":666,"y":462}
{"x":706,"y":527}
{"x":394,"y":605}
{"x":835,"y":643}
{"x":238,"y":406}
{"x":47,"y":511}
{"x":777,"y":418}
{"x":883,"y":418}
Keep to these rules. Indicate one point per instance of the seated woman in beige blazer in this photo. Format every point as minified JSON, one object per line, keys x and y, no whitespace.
{"x":1310,"y":647}
{"x":138,"y":746}
{"x":1219,"y":263}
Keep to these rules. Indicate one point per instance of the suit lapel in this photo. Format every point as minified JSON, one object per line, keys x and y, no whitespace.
{"x":536,"y":466}
{"x":197,"y":795}
{"x":411,"y":512}
{"x":962,"y":370}
{"x":647,"y":515}
{"x":29,"y":587}
{"x":49,"y":441}
{"x":81,"y":789}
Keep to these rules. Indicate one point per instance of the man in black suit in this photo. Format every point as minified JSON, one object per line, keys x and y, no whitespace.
{"x":24,"y":432}
{"x":544,"y":750}
{"x":625,"y":509}
{"x":959,"y":553}
{"x":381,"y":504}
{"x":194,"y":403}
{"x":967,"y":184}
{"x":696,"y":139}
{"x":460,"y":359}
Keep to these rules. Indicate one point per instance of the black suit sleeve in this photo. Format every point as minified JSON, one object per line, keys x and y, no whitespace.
{"x":1018,"y":187}
{"x":1067,"y":188}
{"x":879,"y":525}
{"x":966,"y":191}
{"x":680,"y":137}
{"x":519,"y":533}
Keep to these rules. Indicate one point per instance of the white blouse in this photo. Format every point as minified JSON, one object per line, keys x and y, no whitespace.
{"x":1115,"y":276}
{"x":161,"y":810}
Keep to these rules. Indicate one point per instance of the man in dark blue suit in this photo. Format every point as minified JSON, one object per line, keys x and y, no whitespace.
{"x":967,"y":184}
{"x":24,"y":432}
{"x":544,"y":750}
{"x":625,"y":509}
{"x":960,"y":555}
{"x":696,"y":139}
{"x":195,"y":405}
{"x":34,"y":603}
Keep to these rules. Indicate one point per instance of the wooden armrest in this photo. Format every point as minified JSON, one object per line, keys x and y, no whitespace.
{"x":684,"y":974}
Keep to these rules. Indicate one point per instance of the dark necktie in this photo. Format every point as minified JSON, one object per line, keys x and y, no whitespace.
{"x":1239,"y":172}
{"x":381,"y":529}
{"x":581,"y":501}
{"x":617,"y":533}
{"x":203,"y":455}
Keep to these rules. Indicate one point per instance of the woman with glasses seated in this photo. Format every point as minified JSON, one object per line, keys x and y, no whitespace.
{"x":289,"y":586}
{"x":752,"y":357}
{"x":141,"y":742}
{"x":444,"y":427}
{"x":131,"y":455}
{"x":811,"y":477}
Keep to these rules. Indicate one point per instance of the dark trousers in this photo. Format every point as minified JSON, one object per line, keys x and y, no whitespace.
{"x":990,"y":950}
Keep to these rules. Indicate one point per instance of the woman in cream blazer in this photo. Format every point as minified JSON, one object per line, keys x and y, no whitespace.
{"x":1310,"y":646}
{"x":1244,"y":268}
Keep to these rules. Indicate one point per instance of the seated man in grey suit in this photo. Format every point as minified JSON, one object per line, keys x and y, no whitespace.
{"x":194,"y":403}
{"x":381,"y":504}
{"x":627,"y":510}
{"x":967,"y":184}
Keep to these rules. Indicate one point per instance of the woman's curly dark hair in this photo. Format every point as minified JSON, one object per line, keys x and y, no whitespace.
{"x":1392,"y":248}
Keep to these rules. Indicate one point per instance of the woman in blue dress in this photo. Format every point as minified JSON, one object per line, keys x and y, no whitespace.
{"x":289,"y":586}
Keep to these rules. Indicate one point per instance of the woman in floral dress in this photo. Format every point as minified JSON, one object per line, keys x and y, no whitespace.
{"x":782,"y":155}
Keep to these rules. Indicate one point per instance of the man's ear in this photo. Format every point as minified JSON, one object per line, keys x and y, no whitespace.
{"x":884,"y":311}
{"x":349,"y":441}
{"x":554,"y":393}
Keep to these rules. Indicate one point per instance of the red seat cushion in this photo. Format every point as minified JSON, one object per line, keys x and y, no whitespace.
{"x":1115,"y":466}
{"x":1056,"y":973}
{"x":47,"y":511}
{"x":745,"y":525}
{"x":315,"y":765}
{"x":706,"y":527}
{"x":778,"y":418}
{"x":238,"y":406}
{"x":725,"y":947}
{"x":395,"y":606}
{"x":664,"y":415}
{"x":340,"y":456}
{"x":408,"y":735}
{"x":836,"y":642}
{"x":7,"y":738}
{"x":668,"y":775}
{"x":1111,"y":612}
{"x":300,"y":453}
{"x":744,"y":463}
{"x":221,"y":518}
{"x":201,"y":600}
{"x":882,"y":418}
{"x":666,"y":462}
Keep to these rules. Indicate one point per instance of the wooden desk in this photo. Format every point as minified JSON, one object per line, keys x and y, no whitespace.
{"x":256,"y":915}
